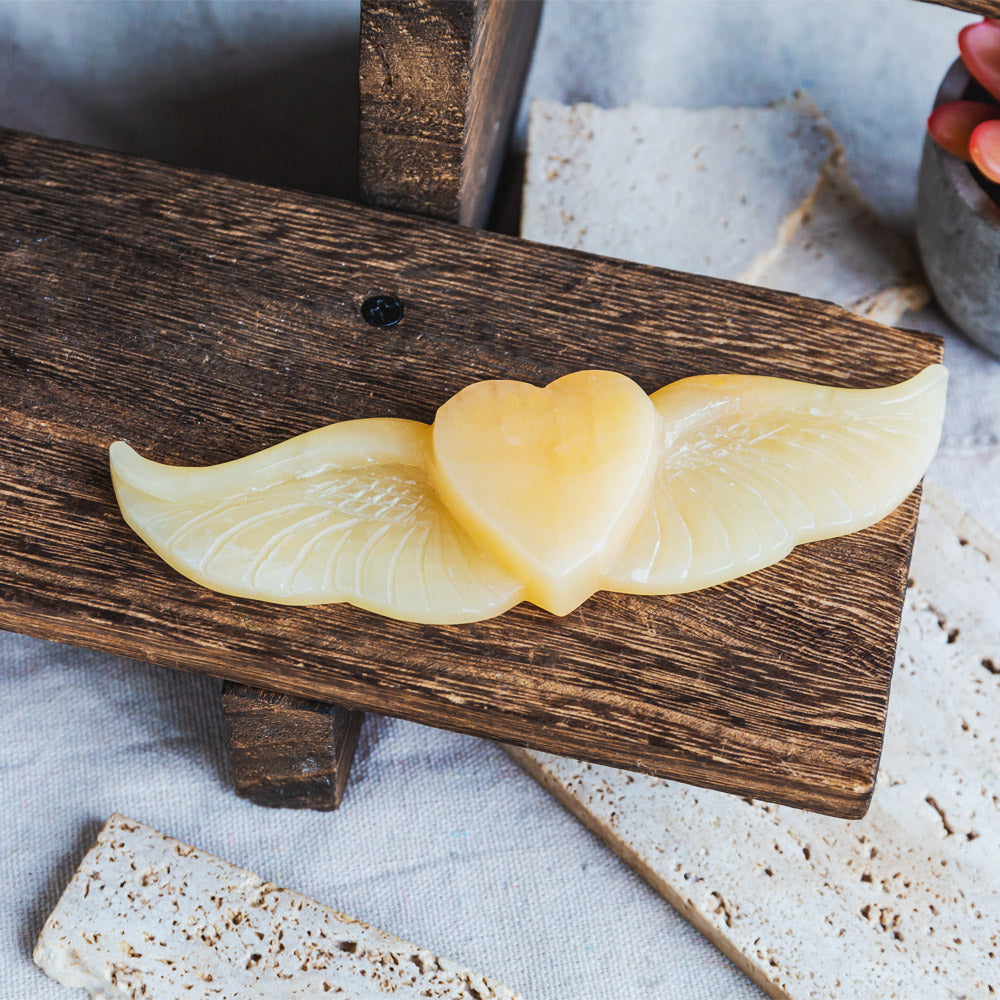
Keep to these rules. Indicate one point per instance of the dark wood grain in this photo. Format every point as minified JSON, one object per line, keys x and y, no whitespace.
{"x":440,"y":81}
{"x":286,"y":751}
{"x":988,"y":8}
{"x":203,"y":318}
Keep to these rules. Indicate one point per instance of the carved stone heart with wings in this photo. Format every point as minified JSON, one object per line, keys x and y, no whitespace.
{"x":546,"y":495}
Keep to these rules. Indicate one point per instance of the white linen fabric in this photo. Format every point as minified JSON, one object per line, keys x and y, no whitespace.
{"x":442,"y":839}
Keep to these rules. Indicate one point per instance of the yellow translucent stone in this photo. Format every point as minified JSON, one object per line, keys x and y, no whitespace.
{"x":551,"y":481}
{"x":541,"y":494}
{"x":750,"y":467}
{"x":343,"y":513}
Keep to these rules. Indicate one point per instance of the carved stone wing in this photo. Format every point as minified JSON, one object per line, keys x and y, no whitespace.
{"x":343,"y":513}
{"x":750,"y":467}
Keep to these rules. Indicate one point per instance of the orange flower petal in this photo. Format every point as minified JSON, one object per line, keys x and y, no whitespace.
{"x":951,"y":125}
{"x":980,"y":48}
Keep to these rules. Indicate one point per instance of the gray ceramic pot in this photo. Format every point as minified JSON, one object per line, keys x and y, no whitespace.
{"x":958,"y":229}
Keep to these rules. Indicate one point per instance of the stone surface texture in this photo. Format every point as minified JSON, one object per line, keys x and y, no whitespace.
{"x":146,"y":916}
{"x":845,"y":253}
{"x":761,"y":195}
{"x":656,"y":184}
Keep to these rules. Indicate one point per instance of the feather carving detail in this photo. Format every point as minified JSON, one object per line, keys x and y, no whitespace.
{"x":547,"y":495}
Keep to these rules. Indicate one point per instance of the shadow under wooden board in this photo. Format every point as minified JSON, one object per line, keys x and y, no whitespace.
{"x":203,"y":318}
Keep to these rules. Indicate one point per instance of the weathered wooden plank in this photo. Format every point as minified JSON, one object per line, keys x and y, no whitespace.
{"x":440,"y":81}
{"x":204,"y":318}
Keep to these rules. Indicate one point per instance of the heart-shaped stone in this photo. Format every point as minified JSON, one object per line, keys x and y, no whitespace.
{"x":551,"y":480}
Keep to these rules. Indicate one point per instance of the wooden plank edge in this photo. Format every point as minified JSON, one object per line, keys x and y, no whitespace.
{"x":503,"y":43}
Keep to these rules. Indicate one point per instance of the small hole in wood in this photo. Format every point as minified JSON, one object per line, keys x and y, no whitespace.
{"x":382,"y":310}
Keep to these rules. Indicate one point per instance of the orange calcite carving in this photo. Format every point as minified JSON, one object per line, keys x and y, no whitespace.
{"x":546,"y":495}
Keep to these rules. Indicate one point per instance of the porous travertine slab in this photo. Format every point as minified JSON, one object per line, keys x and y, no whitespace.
{"x":716,"y":191}
{"x":146,"y":916}
{"x":845,"y":253}
{"x":903,"y":904}
{"x":760,"y":195}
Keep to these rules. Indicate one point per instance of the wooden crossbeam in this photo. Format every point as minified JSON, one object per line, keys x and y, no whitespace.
{"x":203,"y":318}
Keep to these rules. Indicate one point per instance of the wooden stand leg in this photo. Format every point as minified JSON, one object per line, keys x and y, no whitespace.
{"x":289,"y":752}
{"x":441,"y":81}
{"x":440,"y":84}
